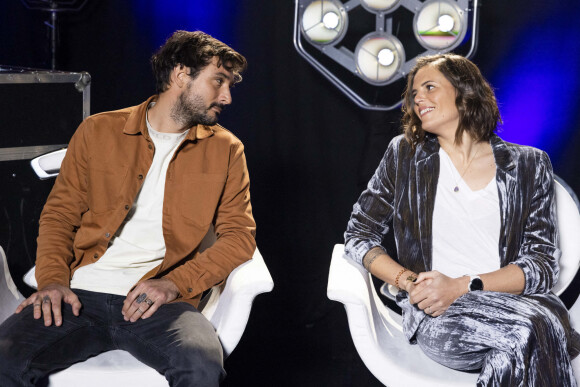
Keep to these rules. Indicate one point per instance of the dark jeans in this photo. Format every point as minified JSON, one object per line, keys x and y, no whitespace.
{"x":177,"y":341}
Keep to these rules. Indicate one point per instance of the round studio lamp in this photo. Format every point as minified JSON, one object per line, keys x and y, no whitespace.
{"x":380,"y":5}
{"x":379,"y":57}
{"x":324,"y":22}
{"x":440,"y":25}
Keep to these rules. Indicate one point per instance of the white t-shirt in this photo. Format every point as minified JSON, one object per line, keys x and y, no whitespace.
{"x":466,"y":224}
{"x":138,"y":246}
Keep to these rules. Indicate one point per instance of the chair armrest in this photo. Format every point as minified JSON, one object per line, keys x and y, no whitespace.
{"x":48,"y":165}
{"x":569,"y":243}
{"x":347,"y":282}
{"x":575,"y":315}
{"x":229,"y":309}
{"x":377,"y":332}
{"x":30,"y":278}
{"x":373,"y":326}
{"x":10,"y":297}
{"x":350,"y":284}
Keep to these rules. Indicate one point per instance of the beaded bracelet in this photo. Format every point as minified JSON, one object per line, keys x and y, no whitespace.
{"x":398,"y":276}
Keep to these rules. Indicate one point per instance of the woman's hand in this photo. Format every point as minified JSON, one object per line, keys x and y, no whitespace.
{"x":433,"y":292}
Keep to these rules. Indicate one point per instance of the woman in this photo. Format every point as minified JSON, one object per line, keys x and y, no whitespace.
{"x":474,"y":221}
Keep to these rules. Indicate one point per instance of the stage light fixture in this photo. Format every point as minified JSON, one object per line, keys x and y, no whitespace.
{"x":440,"y":25}
{"x":324,"y":21}
{"x":378,"y":57}
{"x":379,"y":5}
{"x":367,"y":47}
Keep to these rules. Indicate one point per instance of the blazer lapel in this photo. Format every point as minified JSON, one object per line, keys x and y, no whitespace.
{"x":506,"y":185}
{"x":427,"y":164}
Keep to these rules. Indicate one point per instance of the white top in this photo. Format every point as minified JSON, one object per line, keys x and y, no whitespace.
{"x":138,"y":246}
{"x":466,"y":224}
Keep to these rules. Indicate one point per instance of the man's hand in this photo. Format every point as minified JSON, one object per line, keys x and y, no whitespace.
{"x":48,"y":301}
{"x":147,"y":297}
{"x":434,"y":292}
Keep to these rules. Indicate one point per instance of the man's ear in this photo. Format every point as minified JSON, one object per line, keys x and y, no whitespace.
{"x":179,"y":75}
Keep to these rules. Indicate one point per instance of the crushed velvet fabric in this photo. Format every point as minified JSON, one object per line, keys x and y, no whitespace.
{"x":402,"y":191}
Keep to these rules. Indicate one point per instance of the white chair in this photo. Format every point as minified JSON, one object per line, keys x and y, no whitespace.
{"x":227,"y":308}
{"x":377,"y":330}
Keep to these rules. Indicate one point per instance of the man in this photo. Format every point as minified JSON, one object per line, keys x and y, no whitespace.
{"x":118,"y":261}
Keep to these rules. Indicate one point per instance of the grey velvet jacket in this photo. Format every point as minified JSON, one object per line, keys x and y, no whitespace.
{"x":403,"y":189}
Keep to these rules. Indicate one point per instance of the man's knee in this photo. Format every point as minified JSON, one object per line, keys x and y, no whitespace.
{"x":197,"y":349}
{"x":195,"y":337}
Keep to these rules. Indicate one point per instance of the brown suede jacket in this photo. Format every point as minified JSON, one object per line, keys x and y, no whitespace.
{"x":104,"y":168}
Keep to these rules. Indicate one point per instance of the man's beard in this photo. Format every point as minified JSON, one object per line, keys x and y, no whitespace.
{"x":190,"y":112}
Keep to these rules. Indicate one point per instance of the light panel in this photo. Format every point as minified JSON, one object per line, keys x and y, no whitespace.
{"x":378,"y":57}
{"x":324,"y":21}
{"x":440,"y":24}
{"x":378,"y":42}
{"x":379,"y":5}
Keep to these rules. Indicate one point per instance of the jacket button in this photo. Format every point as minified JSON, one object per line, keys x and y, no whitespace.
{"x":190,"y":290}
{"x":107,"y":235}
{"x":96,"y":256}
{"x":127,"y":206}
{"x":140,"y":177}
{"x":150,"y":146}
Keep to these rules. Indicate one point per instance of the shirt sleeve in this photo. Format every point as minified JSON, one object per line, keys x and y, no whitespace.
{"x":235,"y":232}
{"x":61,"y":215}
{"x":538,"y":254}
{"x":373,"y":211}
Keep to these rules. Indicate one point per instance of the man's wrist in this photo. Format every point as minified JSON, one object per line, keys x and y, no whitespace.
{"x":172,"y":286}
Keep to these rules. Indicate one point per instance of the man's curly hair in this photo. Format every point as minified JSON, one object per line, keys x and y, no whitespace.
{"x":194,"y":50}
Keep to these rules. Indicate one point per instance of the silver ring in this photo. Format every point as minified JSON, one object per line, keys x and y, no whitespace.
{"x":149,"y":302}
{"x":139,"y":310}
{"x":141,"y":298}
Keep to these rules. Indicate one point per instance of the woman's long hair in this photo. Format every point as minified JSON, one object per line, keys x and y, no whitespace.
{"x":475,"y":100}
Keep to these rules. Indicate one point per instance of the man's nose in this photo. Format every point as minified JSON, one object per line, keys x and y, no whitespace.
{"x":225,"y":96}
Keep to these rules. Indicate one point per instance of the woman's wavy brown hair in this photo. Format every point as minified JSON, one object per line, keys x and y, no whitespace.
{"x":478,"y":112}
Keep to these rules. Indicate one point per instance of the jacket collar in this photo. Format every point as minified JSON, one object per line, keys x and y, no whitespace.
{"x":137,"y":124}
{"x":429,"y":148}
{"x":503,"y":158}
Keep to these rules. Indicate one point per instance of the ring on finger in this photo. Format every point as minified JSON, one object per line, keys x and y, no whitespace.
{"x":141,"y":298}
{"x":139,"y":310}
{"x":149,"y":301}
{"x":46,"y":300}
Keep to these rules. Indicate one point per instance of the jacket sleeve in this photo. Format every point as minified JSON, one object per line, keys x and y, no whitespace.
{"x":62,"y":213}
{"x":538,"y":254}
{"x":373,"y":211}
{"x":235,"y":232}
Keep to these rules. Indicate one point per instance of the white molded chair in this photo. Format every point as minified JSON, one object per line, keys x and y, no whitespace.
{"x":377,"y":330}
{"x":227,"y":308}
